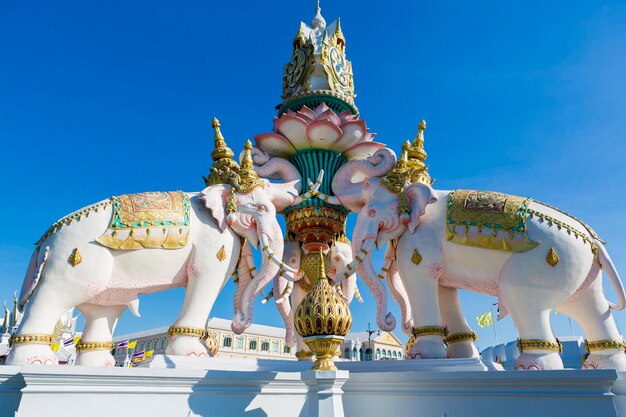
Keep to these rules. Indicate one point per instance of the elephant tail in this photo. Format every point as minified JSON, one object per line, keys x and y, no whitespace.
{"x":611,"y":273}
{"x":33,"y":274}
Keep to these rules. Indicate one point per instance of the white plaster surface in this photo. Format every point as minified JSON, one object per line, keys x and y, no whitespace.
{"x":78,"y":391}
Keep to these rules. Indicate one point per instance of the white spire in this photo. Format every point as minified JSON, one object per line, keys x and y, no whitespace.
{"x":318,"y":21}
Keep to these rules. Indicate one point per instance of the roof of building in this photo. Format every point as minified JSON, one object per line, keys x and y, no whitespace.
{"x":215,"y":323}
{"x":363,"y":337}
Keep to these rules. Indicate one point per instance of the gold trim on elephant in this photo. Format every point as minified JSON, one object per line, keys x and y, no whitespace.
{"x":525,"y":344}
{"x":31,"y":339}
{"x":91,"y":346}
{"x":501,"y":216}
{"x":148,"y":220}
{"x":604,"y":344}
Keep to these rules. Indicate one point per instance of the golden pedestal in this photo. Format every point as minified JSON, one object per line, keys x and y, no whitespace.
{"x":325,"y":348}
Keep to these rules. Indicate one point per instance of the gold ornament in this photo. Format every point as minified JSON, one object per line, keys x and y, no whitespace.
{"x":552,"y":259}
{"x":186,"y":331}
{"x":224,"y":168}
{"x":323,"y":319}
{"x":417,"y":157}
{"x":604,"y":344}
{"x":460,"y":337}
{"x":31,"y":339}
{"x":221,"y":254}
{"x":75,"y":257}
{"x":91,"y":346}
{"x":416,"y":258}
{"x":211,"y":344}
{"x":248,"y":179}
{"x":525,"y":344}
{"x":311,"y":267}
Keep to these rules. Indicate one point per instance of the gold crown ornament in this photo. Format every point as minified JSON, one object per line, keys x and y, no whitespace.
{"x":248,"y":179}
{"x":323,"y":319}
{"x":224,"y":168}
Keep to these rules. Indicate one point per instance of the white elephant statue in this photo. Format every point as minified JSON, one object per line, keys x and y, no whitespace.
{"x":531,"y":256}
{"x":100,"y":258}
{"x":289,"y":294}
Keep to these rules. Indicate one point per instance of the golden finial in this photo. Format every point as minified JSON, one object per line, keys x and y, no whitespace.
{"x":322,"y":270}
{"x":248,"y":178}
{"x":224,"y":167}
{"x":418,"y":143}
{"x":339,"y":33}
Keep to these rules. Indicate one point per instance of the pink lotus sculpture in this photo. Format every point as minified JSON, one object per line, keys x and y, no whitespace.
{"x":321,"y":128}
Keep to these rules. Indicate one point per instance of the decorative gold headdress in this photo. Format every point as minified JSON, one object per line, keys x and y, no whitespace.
{"x":409,"y":169}
{"x":224,"y":169}
{"x":248,"y":179}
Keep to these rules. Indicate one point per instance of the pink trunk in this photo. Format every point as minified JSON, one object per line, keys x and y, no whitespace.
{"x":268,"y":270}
{"x":386,"y":321}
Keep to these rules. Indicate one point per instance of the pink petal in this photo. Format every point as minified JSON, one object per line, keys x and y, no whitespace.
{"x":321,"y":108}
{"x":330,"y":116}
{"x":323,"y":134}
{"x":369,"y":137}
{"x":294,"y":129}
{"x":307,"y":113}
{"x":362,"y":150}
{"x":274,"y":144}
{"x":353,"y":133}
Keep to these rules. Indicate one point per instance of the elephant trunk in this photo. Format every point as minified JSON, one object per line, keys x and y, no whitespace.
{"x":281,"y":290}
{"x":347,"y":181}
{"x":273,"y":243}
{"x":244,"y":275}
{"x":399,"y":295}
{"x":386,"y":321}
{"x":348,"y":287}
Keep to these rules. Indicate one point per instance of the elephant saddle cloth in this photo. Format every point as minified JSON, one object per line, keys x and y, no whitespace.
{"x":488,"y":220}
{"x":148,"y":220}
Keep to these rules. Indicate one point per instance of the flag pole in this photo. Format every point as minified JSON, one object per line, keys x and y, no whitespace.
{"x":495,"y":330}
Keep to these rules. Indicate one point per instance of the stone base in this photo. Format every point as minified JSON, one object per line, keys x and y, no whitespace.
{"x":75,"y":391}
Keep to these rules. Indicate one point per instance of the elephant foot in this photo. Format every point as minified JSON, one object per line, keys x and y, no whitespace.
{"x":427,"y":347}
{"x":464,"y":349}
{"x":608,"y":359}
{"x":186,"y":346}
{"x":538,"y":361}
{"x":95,"y":358}
{"x":31,"y":355}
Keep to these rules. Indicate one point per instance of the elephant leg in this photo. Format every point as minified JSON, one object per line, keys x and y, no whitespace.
{"x":41,"y":314}
{"x":202,"y":290}
{"x":460,"y":340}
{"x":94,"y":348}
{"x":303,"y":353}
{"x":591,"y":311}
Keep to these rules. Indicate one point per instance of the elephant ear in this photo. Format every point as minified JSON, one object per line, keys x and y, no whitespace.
{"x":419,"y":195}
{"x":282,"y":195}
{"x":214,"y":198}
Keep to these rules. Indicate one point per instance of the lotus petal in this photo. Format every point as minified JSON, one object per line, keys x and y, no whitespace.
{"x":353,"y":133}
{"x":307,"y":113}
{"x":323,"y":134}
{"x":294,"y":129}
{"x":330,"y":116}
{"x":362,"y":150}
{"x":274,"y":144}
{"x":369,"y":137}
{"x":346,"y":116}
{"x":321,"y":108}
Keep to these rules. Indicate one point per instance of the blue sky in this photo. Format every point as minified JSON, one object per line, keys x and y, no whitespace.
{"x":101,"y":99}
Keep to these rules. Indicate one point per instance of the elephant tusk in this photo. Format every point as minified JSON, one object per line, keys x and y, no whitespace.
{"x":350,"y":268}
{"x":269,"y":297}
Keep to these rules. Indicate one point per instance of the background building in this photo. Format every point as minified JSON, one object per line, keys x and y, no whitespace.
{"x":364,"y":346}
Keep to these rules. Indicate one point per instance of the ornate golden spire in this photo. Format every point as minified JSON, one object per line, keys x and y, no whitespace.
{"x":400,"y":176}
{"x":224,"y":168}
{"x":248,"y":178}
{"x":417,"y":157}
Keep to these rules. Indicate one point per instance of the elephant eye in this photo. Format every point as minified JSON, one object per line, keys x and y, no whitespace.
{"x":371,"y":212}
{"x":261,"y":207}
{"x":337,"y":258}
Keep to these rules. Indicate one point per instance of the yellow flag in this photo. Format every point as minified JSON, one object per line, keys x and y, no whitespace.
{"x":55,"y":347}
{"x":485,"y":319}
{"x":132,"y":344}
{"x":76,"y":340}
{"x":148,"y":354}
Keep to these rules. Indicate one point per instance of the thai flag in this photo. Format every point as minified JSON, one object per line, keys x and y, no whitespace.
{"x":68,"y":342}
{"x":139,"y":354}
{"x":122,"y":345}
